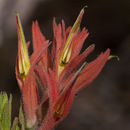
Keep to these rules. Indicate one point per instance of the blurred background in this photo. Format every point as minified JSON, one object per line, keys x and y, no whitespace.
{"x":103,"y":105}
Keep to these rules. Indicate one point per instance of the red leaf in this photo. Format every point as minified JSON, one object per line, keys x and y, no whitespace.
{"x":53,"y":88}
{"x":30,"y":98}
{"x":77,"y":43}
{"x":91,"y":71}
{"x":38,"y":40}
{"x":63,"y":105}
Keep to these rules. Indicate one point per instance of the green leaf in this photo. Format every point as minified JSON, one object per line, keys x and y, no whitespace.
{"x":15,"y":125}
{"x":10,"y":110}
{"x":3,"y":100}
{"x":17,"y":128}
{"x":21,"y":118}
{"x":5,"y":115}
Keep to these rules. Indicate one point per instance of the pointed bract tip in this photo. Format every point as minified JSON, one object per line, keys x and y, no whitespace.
{"x":93,"y":45}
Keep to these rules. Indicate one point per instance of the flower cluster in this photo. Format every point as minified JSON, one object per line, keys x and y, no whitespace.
{"x":49,"y":79}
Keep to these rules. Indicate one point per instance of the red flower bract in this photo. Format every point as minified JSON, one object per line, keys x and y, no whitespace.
{"x":61,"y":72}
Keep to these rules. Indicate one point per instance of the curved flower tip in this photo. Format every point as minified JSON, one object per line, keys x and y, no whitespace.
{"x":23,"y":65}
{"x":113,"y":56}
{"x":66,"y":52}
{"x":25,"y":78}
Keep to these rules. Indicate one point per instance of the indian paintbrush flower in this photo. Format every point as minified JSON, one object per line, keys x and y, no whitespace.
{"x":61,"y":72}
{"x":24,"y":75}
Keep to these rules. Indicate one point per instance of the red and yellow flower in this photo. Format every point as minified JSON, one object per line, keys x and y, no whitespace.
{"x":61,"y":72}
